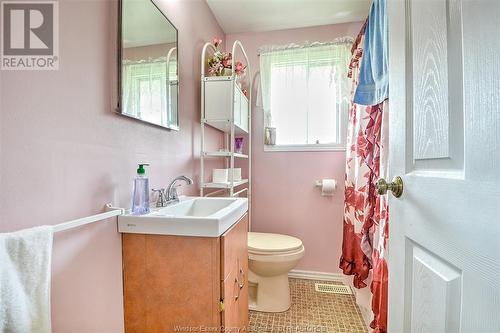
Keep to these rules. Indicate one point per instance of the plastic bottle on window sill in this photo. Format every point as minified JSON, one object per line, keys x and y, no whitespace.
{"x":270,"y":136}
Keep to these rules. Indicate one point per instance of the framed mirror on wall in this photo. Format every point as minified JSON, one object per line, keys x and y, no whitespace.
{"x":148,"y":75}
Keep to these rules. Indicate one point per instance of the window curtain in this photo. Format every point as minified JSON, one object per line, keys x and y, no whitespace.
{"x":366,"y":219}
{"x":144,"y":87}
{"x":295,"y":65}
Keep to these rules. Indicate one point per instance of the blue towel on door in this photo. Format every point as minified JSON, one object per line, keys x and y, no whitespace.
{"x":373,"y":86}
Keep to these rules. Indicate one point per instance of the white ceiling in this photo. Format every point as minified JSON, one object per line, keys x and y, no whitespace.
{"x":266,"y":15}
{"x":144,"y":24}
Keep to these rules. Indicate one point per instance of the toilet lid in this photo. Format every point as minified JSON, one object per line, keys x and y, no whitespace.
{"x":266,"y":242}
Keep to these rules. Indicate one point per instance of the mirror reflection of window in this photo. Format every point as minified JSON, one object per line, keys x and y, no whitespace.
{"x":149,"y":70}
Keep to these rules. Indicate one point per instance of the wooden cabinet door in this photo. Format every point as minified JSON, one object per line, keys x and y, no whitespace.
{"x":234,"y":275}
{"x":171,"y":283}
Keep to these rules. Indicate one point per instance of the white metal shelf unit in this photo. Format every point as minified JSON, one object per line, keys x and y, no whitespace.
{"x":225,"y":97}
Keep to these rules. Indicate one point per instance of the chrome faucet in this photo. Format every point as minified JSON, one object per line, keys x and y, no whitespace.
{"x":171,"y":194}
{"x":161,"y":200}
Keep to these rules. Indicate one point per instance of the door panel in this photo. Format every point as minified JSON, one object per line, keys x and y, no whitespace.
{"x":430,"y":79}
{"x":436,"y":292}
{"x":436,"y":54}
{"x":444,"y":264}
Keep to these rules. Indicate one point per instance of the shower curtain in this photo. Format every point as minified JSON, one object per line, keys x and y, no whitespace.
{"x":365,"y":212}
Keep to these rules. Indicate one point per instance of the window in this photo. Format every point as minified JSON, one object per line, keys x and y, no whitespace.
{"x":304,"y":95}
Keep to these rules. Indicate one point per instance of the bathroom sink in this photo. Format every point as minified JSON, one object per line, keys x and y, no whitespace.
{"x":192,"y":216}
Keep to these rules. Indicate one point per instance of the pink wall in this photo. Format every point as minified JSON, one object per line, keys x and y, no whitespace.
{"x":64,"y":153}
{"x":284,"y":198}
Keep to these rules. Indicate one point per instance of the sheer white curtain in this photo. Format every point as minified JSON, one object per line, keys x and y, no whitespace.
{"x":306,"y":87}
{"x":144,"y":89}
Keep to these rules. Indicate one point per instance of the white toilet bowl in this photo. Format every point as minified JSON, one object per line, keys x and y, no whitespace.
{"x":271,"y":257}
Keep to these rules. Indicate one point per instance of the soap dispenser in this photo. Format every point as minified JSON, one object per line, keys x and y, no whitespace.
{"x":140,"y":196}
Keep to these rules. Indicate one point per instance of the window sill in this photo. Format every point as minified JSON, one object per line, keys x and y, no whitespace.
{"x":303,"y":148}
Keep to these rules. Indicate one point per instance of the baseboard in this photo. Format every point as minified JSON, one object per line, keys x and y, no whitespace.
{"x":364,"y":306}
{"x":311,"y":275}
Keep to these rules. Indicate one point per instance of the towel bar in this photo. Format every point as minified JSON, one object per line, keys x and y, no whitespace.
{"x":112,"y":212}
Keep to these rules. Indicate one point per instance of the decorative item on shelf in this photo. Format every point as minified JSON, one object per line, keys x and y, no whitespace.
{"x":270,"y":136}
{"x":238,"y":145}
{"x":235,"y":174}
{"x":219,"y":64}
{"x":220,"y":176}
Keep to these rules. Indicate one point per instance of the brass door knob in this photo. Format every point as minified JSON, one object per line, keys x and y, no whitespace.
{"x":396,"y":187}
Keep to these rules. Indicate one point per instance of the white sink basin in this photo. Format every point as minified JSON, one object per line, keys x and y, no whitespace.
{"x":192,"y":216}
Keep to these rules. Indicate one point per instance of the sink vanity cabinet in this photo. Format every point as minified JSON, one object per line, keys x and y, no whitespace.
{"x":181,"y":283}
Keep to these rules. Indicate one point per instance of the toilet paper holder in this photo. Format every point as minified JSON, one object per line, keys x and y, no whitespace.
{"x":319,"y":184}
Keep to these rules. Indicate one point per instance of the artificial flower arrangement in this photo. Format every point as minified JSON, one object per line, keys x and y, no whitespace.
{"x":220,"y":62}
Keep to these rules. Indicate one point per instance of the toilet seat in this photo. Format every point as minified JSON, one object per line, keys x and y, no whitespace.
{"x":273,"y":244}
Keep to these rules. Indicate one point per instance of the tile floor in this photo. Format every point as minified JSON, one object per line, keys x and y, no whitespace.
{"x":311,"y":311}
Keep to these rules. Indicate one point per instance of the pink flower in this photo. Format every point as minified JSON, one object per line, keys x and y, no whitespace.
{"x":216,"y":41}
{"x":226,"y":60}
{"x":239,"y":68}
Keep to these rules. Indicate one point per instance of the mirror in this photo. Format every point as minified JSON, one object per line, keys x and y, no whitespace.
{"x":148,"y":79}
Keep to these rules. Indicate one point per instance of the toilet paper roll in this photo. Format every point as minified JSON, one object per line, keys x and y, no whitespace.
{"x":328,"y":187}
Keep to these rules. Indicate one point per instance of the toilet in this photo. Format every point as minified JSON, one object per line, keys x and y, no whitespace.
{"x":271,"y":257}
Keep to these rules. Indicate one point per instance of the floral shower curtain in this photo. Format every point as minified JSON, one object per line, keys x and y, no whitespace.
{"x":365,"y":212}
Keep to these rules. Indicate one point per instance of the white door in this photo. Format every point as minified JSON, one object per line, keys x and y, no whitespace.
{"x":444,"y":243}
